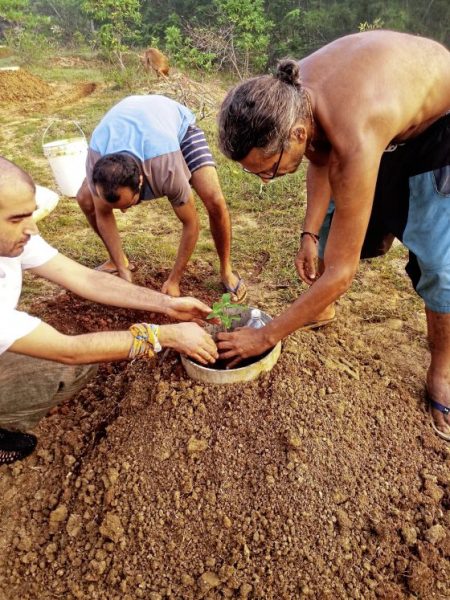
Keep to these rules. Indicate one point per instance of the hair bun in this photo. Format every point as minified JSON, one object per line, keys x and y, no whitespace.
{"x":288,"y":71}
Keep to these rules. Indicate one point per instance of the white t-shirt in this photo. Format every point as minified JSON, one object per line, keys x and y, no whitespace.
{"x":15,"y":324}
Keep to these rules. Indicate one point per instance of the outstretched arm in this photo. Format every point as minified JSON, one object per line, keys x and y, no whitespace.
{"x":353,"y":175}
{"x":107,"y":289}
{"x":205,"y":182}
{"x":46,"y":342}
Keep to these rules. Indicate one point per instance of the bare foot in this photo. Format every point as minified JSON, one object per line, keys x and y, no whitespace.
{"x":328,"y":313}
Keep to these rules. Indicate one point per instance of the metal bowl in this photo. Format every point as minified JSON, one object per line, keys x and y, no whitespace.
{"x":248,"y":372}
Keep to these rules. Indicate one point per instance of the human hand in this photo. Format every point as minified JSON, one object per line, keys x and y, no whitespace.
{"x":307,"y":259}
{"x":189,"y":339}
{"x":241,"y":343}
{"x":171,"y":288}
{"x":187,"y":309}
{"x":125,"y":273}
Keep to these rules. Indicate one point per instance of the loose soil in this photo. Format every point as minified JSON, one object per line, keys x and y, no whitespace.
{"x":322,"y":479}
{"x":21,"y":86}
{"x":29,"y":92}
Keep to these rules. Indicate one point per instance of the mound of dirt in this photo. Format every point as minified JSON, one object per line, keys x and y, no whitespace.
{"x":321,"y":480}
{"x":21,"y":86}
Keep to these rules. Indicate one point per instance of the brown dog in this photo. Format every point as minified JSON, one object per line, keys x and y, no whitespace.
{"x":156,"y":60}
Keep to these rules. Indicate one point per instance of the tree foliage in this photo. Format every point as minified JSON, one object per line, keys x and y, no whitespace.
{"x":249,"y":33}
{"x":69,"y":21}
{"x":117,"y":23}
{"x":236,"y":35}
{"x":20,"y":14}
{"x":242,"y":35}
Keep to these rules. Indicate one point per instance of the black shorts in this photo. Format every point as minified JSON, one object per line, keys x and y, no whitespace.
{"x":412,"y":203}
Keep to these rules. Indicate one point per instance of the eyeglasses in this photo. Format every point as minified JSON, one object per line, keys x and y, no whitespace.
{"x":267,"y":174}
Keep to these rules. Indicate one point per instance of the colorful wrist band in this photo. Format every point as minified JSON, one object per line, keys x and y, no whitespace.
{"x":156,"y":344}
{"x":145,"y":340}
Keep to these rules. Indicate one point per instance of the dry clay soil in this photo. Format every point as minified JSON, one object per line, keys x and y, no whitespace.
{"x":322,"y":479}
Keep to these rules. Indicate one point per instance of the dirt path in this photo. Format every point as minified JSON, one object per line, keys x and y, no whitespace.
{"x":323,"y":479}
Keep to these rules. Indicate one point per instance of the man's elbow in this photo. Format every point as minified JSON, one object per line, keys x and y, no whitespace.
{"x":216,"y":205}
{"x":69,"y":359}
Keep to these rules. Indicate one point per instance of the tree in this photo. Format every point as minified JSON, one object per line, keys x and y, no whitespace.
{"x":69,"y":21}
{"x":234,"y":34}
{"x":157,"y":15}
{"x":119,"y":24}
{"x":213,"y":34}
{"x":27,"y":32}
{"x":249,"y":33}
{"x":19,"y":13}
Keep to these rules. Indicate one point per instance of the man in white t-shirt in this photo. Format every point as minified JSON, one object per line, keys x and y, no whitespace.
{"x":40,"y":367}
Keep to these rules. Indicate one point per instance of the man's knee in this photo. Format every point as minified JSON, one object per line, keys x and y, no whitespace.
{"x":30,"y":387}
{"x":74,"y":382}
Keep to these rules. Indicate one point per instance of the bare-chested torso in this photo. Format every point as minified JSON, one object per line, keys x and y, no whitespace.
{"x":393,"y":83}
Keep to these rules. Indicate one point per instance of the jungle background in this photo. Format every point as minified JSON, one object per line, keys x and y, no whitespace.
{"x":241,"y":36}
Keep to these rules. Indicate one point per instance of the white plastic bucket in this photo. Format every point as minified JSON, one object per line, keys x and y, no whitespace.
{"x":67,"y":159}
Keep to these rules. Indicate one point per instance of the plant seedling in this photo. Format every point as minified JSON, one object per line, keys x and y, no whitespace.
{"x":220,"y":310}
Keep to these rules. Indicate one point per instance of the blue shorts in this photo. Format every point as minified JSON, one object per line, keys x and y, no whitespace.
{"x":412,"y":203}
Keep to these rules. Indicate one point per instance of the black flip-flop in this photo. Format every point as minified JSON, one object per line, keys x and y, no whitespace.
{"x":235,"y":291}
{"x":15,"y":445}
{"x":445,"y":410}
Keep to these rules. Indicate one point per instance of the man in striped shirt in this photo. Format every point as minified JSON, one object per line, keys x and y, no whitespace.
{"x":148,"y":147}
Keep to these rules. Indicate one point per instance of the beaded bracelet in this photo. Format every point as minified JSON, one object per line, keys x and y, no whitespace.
{"x":145,"y":340}
{"x":314,"y":236}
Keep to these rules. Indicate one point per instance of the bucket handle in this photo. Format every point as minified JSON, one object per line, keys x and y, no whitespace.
{"x":56,"y":121}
